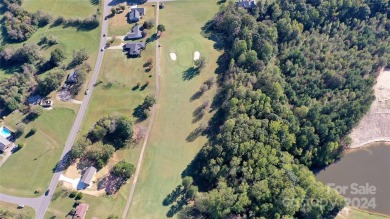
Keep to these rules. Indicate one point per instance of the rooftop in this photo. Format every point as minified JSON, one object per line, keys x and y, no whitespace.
{"x":135,"y":48}
{"x":247,"y":4}
{"x":136,"y":13}
{"x":81,"y":210}
{"x":88,"y":175}
{"x":134,"y":33}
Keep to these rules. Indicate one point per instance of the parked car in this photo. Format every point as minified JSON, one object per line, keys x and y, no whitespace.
{"x":47,"y":192}
{"x":87,"y":92}
{"x":20,"y":206}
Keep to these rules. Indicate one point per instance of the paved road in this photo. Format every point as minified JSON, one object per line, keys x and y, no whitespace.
{"x":41,"y":204}
{"x":152,"y":116}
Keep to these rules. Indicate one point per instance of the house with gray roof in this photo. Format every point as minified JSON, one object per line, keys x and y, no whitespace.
{"x":134,"y":48}
{"x":72,"y":77}
{"x":88,"y":176}
{"x":247,"y":4}
{"x":135,"y":33}
{"x":4,"y":144}
{"x":136,"y":14}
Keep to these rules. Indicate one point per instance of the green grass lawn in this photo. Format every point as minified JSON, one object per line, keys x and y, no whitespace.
{"x":65,"y":8}
{"x":31,"y":167}
{"x":119,"y":75}
{"x":25,"y":213}
{"x":168,"y":152}
{"x":118,"y":25}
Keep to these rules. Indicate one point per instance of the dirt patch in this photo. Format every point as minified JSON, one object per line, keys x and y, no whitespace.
{"x":72,"y":171}
{"x":375,"y":125}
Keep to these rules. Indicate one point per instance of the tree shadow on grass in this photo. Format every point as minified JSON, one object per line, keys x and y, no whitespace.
{"x":176,"y":207}
{"x":63,"y":164}
{"x":172,"y":197}
{"x":190,"y":73}
{"x":196,"y":96}
{"x":140,"y":113}
{"x":178,"y":196}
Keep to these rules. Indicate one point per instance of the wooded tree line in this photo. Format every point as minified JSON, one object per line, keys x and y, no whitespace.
{"x":298,"y":78}
{"x":20,"y":24}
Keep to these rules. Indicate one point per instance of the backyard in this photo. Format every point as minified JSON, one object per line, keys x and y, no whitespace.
{"x":169,"y":149}
{"x":40,"y":153}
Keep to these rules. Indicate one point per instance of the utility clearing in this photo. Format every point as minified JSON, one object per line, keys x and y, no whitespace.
{"x":375,"y":125}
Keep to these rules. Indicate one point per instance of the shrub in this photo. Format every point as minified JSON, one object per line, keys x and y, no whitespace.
{"x":123,"y":169}
{"x":73,"y":194}
{"x":148,"y":24}
{"x":79,"y":196}
{"x":33,"y":131}
{"x":20,"y":128}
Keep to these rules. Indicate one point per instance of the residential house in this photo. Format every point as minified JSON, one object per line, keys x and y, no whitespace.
{"x":72,"y":77}
{"x":136,"y":14}
{"x":247,"y":4}
{"x":135,"y":33}
{"x":88,"y":176}
{"x":4,"y":144}
{"x":134,"y":48}
{"x":81,"y":210}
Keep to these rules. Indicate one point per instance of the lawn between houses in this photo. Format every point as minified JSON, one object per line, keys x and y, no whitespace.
{"x":168,"y":152}
{"x":114,"y":93}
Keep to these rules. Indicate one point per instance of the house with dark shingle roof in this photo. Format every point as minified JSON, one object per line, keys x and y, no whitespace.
{"x":135,"y":33}
{"x":247,"y":4}
{"x":134,"y":48}
{"x":136,"y":14}
{"x":72,"y":77}
{"x":88,"y":176}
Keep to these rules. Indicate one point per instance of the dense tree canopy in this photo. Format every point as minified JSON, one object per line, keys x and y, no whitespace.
{"x":297,"y":77}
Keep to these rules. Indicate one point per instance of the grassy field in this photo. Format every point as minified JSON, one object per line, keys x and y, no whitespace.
{"x":168,"y":151}
{"x":30,"y":168}
{"x":65,"y":8}
{"x":25,"y":213}
{"x":118,"y":25}
{"x":359,"y":214}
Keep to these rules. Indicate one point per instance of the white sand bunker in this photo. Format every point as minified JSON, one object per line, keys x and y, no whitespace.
{"x":196,"y":55}
{"x":173,"y":56}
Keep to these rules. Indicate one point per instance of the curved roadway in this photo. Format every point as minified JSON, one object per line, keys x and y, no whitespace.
{"x":41,"y":203}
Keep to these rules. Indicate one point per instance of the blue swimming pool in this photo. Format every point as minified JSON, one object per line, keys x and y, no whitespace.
{"x":5,"y":132}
